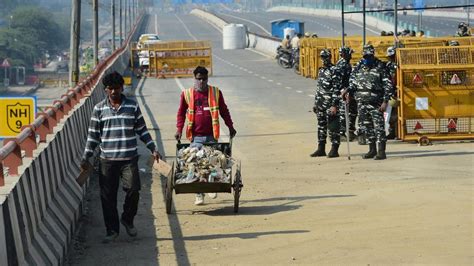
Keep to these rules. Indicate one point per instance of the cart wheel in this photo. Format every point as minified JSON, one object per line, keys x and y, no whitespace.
{"x":424,"y":141}
{"x":237,"y":186}
{"x":169,"y":190}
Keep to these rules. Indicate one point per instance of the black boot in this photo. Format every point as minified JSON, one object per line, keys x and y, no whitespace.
{"x":361,"y":139}
{"x":352,"y":136}
{"x":333,"y":152}
{"x":372,"y":152}
{"x":381,"y":151}
{"x":321,"y":151}
{"x":343,"y":137}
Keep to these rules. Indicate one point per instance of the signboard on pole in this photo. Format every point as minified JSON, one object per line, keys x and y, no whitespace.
{"x":5,"y":63}
{"x":16,"y":112}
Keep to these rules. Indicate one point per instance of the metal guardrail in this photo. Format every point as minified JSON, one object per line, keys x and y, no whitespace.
{"x":10,"y":153}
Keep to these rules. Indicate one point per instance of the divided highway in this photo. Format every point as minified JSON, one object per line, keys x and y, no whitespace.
{"x":294,"y":209}
{"x":331,"y":27}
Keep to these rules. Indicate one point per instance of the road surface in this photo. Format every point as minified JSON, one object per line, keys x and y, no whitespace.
{"x":413,"y":208}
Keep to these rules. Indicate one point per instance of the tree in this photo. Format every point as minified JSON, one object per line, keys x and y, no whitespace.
{"x":33,"y":34}
{"x":38,"y":26}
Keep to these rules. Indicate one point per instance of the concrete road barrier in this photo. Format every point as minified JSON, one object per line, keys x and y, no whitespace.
{"x":263,"y":44}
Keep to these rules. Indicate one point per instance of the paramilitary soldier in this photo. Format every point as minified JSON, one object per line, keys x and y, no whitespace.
{"x":345,"y":69}
{"x":391,"y":66}
{"x":325,"y":106}
{"x":372,"y":87}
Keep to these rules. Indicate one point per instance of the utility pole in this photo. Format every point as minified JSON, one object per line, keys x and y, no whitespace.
{"x":125,"y":18}
{"x":420,"y":20}
{"x":342,"y":19}
{"x":363,"y":22}
{"x":468,"y":12}
{"x":133,"y":12}
{"x":120,"y":23}
{"x":130,"y":15}
{"x":95,"y":30}
{"x":75,"y":37}
{"x":395,"y":15}
{"x":113,"y":24}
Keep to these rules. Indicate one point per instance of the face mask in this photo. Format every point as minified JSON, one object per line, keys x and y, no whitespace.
{"x":200,"y":85}
{"x":368,"y":61}
{"x":326,"y":62}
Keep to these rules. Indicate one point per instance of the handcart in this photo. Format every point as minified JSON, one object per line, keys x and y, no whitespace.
{"x":233,"y":186}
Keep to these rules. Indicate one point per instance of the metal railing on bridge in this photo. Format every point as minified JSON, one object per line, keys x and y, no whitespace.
{"x":39,"y":207}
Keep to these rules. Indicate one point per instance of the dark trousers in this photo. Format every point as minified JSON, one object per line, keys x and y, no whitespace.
{"x":110,"y":174}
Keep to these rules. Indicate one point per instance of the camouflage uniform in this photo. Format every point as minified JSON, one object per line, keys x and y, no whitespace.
{"x":371,"y":85}
{"x":392,"y":72}
{"x":345,"y":69}
{"x":327,"y":96}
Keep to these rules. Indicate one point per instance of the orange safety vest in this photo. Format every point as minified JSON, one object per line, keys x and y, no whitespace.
{"x":213,"y":98}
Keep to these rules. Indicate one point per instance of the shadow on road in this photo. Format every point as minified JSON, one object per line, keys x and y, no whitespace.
{"x":239,"y":235}
{"x":431,"y":154}
{"x":176,"y":232}
{"x":287,"y":204}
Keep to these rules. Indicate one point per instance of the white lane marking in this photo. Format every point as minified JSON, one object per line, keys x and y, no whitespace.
{"x":180,"y":85}
{"x":270,"y":80}
{"x":186,"y":28}
{"x":250,"y":72}
{"x":257,"y":75}
{"x":288,"y":88}
{"x":262,"y":77}
{"x":254,"y":23}
{"x":311,"y":95}
{"x":278,"y":83}
{"x":260,"y":53}
{"x":299,"y":91}
{"x":360,"y":25}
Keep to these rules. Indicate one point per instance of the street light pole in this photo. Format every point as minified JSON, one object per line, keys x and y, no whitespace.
{"x":342,"y":20}
{"x":395,"y":15}
{"x":120,"y":22}
{"x":468,"y":12}
{"x":113,"y":24}
{"x":125,"y":18}
{"x":75,"y":37}
{"x":133,"y":12}
{"x":363,"y":22}
{"x":95,"y":30}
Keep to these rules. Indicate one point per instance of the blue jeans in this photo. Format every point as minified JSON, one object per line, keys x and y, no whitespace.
{"x":204,"y":139}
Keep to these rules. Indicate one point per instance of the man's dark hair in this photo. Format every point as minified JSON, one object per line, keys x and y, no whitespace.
{"x":200,"y":70}
{"x":112,"y":79}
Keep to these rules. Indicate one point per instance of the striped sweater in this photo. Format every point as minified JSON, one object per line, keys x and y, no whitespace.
{"x":115,"y":131}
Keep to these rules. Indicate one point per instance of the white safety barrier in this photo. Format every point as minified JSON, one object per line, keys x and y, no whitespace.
{"x":40,"y":207}
{"x":264,"y":44}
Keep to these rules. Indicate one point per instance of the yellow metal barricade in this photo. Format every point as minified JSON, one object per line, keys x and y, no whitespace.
{"x":176,"y":58}
{"x":436,"y":89}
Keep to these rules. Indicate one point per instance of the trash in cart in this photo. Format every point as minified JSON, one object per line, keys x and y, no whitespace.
{"x":203,"y":164}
